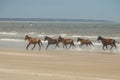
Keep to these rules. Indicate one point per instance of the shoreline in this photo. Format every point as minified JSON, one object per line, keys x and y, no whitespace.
{"x":21,"y":46}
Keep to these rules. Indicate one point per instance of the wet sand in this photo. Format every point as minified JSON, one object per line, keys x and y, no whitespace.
{"x":58,"y":65}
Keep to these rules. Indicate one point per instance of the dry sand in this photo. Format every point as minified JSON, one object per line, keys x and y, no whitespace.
{"x":58,"y":65}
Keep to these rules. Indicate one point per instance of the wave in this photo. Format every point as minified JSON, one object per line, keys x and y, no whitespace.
{"x":19,"y":36}
{"x":8,"y":42}
{"x":8,"y":33}
{"x":84,"y":36}
{"x":17,"y":40}
{"x":13,"y":40}
{"x":30,"y":33}
{"x":22,"y":40}
{"x":14,"y":33}
{"x":50,"y":35}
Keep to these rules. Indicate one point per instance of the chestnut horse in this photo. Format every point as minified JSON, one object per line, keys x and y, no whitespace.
{"x":33,"y":41}
{"x":84,"y":42}
{"x":66,"y":41}
{"x":51,"y":41}
{"x":106,"y":42}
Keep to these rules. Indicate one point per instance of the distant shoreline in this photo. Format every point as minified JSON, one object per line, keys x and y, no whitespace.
{"x":52,"y":20}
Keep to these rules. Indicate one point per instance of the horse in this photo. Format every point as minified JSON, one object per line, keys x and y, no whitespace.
{"x":33,"y":41}
{"x":84,"y":42}
{"x":106,"y":42}
{"x":66,"y":41}
{"x":51,"y":41}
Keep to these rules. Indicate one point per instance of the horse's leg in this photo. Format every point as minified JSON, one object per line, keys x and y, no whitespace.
{"x":106,"y":47}
{"x":70,"y":45}
{"x":73,"y":45}
{"x":91,"y":44}
{"x":47,"y":46}
{"x":66,"y":46}
{"x":103,"y":47}
{"x":57,"y":45}
{"x":114,"y":45}
{"x":27,"y":46}
{"x":39,"y":46}
{"x":86,"y":45}
{"x":111,"y":46}
{"x":63,"y":45}
{"x":34,"y":46}
{"x":80,"y":45}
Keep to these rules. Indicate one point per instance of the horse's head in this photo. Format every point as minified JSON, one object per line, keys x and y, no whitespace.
{"x":60,"y":39}
{"x":26,"y":37}
{"x":79,"y":39}
{"x":99,"y":38}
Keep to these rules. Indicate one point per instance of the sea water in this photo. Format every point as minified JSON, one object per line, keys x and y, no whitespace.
{"x":12,"y":33}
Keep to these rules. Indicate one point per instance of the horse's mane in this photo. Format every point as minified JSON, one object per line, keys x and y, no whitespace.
{"x":49,"y":37}
{"x":28,"y":36}
{"x":80,"y":38}
{"x":102,"y":37}
{"x":61,"y":37}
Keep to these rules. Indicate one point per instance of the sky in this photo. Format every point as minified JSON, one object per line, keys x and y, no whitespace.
{"x":64,"y":9}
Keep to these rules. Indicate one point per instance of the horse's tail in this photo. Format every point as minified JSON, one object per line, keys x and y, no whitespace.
{"x":91,"y":43}
{"x":41,"y":43}
{"x":114,"y":43}
{"x":73,"y":43}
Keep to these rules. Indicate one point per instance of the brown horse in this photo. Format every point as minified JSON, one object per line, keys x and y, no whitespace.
{"x":33,"y":41}
{"x":66,"y":41}
{"x":84,"y":42}
{"x":106,"y":42}
{"x":51,"y":41}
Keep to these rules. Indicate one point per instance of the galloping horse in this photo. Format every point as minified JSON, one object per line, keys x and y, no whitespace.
{"x":33,"y":41}
{"x":51,"y":41}
{"x":84,"y":41}
{"x":66,"y":41}
{"x":106,"y":42}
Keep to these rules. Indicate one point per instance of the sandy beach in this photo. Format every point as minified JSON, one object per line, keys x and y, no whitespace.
{"x":58,"y":65}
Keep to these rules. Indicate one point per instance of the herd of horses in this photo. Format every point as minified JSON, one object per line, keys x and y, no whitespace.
{"x":68,"y":41}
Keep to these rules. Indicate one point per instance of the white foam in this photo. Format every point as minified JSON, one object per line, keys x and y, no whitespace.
{"x":84,"y":36}
{"x":31,"y":33}
{"x":13,"y":40}
{"x":63,"y":35}
{"x":51,"y":35}
{"x":41,"y":35}
{"x":8,"y":33}
{"x":97,"y":44}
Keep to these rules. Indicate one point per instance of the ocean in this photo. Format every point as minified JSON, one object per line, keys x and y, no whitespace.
{"x":12,"y":33}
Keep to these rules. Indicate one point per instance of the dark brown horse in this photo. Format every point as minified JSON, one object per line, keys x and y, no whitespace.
{"x":106,"y":42}
{"x":66,"y":41}
{"x":84,"y":42}
{"x":51,"y":41}
{"x":33,"y":41}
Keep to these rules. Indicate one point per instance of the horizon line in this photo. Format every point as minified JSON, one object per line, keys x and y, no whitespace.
{"x":54,"y":19}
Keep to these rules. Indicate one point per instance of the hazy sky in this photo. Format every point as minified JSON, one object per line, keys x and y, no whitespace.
{"x":75,"y":9}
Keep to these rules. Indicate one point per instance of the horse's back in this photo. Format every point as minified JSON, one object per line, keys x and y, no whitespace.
{"x":109,"y":41}
{"x":86,"y":41}
{"x":34,"y":40}
{"x":69,"y":40}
